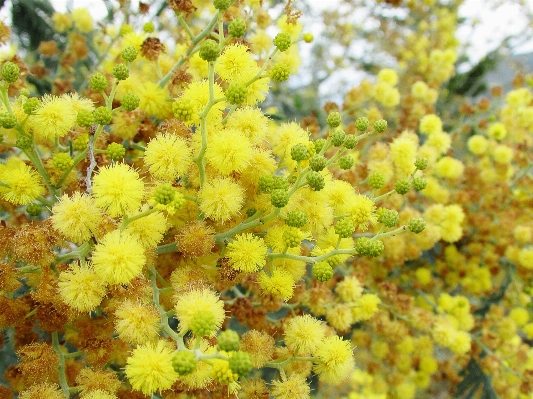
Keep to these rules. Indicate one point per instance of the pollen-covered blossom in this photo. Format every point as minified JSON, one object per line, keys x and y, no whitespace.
{"x":234,"y":61}
{"x":220,"y":199}
{"x":149,"y":229}
{"x":247,"y":253}
{"x":334,"y":360}
{"x":81,"y":288}
{"x":118,"y":257}
{"x":118,"y":189}
{"x":365,"y":307}
{"x":280,"y":284}
{"x":229,"y":151}
{"x":137,"y":323}
{"x":251,"y":121}
{"x":304,"y":333}
{"x":198,"y":95}
{"x":203,"y":300}
{"x":293,"y":387}
{"x":149,"y":368}
{"x":42,"y":390}
{"x":53,"y":118}
{"x":362,"y":211}
{"x":76,"y":217}
{"x":168,"y":157}
{"x":23,"y":183}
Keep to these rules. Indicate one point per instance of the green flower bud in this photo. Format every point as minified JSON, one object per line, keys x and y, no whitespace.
{"x":228,"y":341}
{"x":376,"y":180}
{"x":62,"y":161}
{"x":102,"y":115}
{"x":322,"y":271}
{"x":222,"y":4}
{"x":183,"y":109}
{"x":338,"y":137}
{"x":346,"y":162}
{"x":279,"y":73}
{"x":209,"y":50}
{"x":30,"y":105}
{"x":85,"y":118}
{"x":344,"y":227}
{"x":236,"y":93}
{"x":416,"y":225}
{"x":389,"y":217}
{"x":376,"y":248}
{"x":10,"y":72}
{"x":292,"y":237}
{"x":240,"y":363}
{"x":98,"y":82}
{"x":296,"y":219}
{"x":130,"y":101}
{"x":282,"y":41}
{"x":299,"y":152}
{"x":148,"y":27}
{"x":319,"y":143}
{"x":184,"y":362}
{"x":164,"y":194}
{"x":7,"y":120}
{"x":129,"y":54}
{"x":308,"y":37}
{"x":251,"y":211}
{"x":80,"y":142}
{"x":315,"y":180}
{"x":24,"y":92}
{"x":280,"y":182}
{"x":334,"y":120}
{"x":350,"y":142}
{"x":24,"y":142}
{"x":279,"y":197}
{"x":116,"y":151}
{"x":266,"y":184}
{"x":402,"y":186}
{"x":380,"y":125}
{"x":203,"y":323}
{"x":125,"y":29}
{"x":34,"y":209}
{"x":237,"y":27}
{"x":362,"y":124}
{"x":317,"y":162}
{"x":362,"y":246}
{"x":419,"y":183}
{"x":421,"y":163}
{"x":121,"y":72}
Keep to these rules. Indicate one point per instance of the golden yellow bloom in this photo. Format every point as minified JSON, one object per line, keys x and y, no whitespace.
{"x":247,"y":253}
{"x":334,"y":360}
{"x":137,"y":323}
{"x":204,"y":300}
{"x":149,"y":229}
{"x":82,"y":20}
{"x":221,"y":199}
{"x":304,"y":333}
{"x":229,"y":151}
{"x":23,"y":182}
{"x":81,"y":288}
{"x":234,"y":61}
{"x":53,"y":118}
{"x":294,"y":387}
{"x":251,"y":121}
{"x":168,"y":157}
{"x":280,"y":284}
{"x":43,"y":390}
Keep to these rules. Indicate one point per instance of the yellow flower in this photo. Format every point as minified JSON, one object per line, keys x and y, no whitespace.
{"x":334,"y":360}
{"x":389,"y":76}
{"x":118,"y":189}
{"x":198,"y":94}
{"x":280,"y":284}
{"x":97,"y":394}
{"x":149,"y":229}
{"x":43,"y":390}
{"x":76,"y":217}
{"x":478,"y":144}
{"x":304,"y":333}
{"x":62,"y":22}
{"x":449,"y":168}
{"x":23,"y":182}
{"x":204,"y":300}
{"x":362,"y":211}
{"x":251,"y":121}
{"x":137,"y":323}
{"x":295,"y":387}
{"x":441,"y":141}
{"x":154,"y":100}
{"x":430,"y":124}
{"x":168,"y":157}
{"x":365,"y":307}
{"x":221,"y":199}
{"x":149,"y":369}
{"x":53,"y":118}
{"x":386,"y":94}
{"x":235,"y":61}
{"x":350,"y":289}
{"x":82,"y":20}
{"x":81,"y":288}
{"x":229,"y":151}
{"x":118,"y":257}
{"x":497,"y":131}
{"x":247,"y":253}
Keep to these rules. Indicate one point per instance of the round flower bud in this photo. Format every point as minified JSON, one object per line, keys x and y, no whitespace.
{"x":240,"y":363}
{"x":184,"y":362}
{"x":148,"y":27}
{"x":183,"y":109}
{"x":296,"y":219}
{"x":344,"y":228}
{"x":129,"y":54}
{"x":308,"y":37}
{"x":266,"y":184}
{"x":350,"y":142}
{"x":317,"y":162}
{"x":282,"y":41}
{"x":292,"y":237}
{"x":299,"y":152}
{"x":164,"y":194}
{"x":419,"y":183}
{"x":222,"y":4}
{"x":380,"y":125}
{"x":98,"y":82}
{"x":346,"y":162}
{"x":80,"y":142}
{"x":237,"y":27}
{"x":421,"y":163}
{"x":315,"y":180}
{"x":7,"y":120}
{"x":102,"y":115}
{"x":362,"y":124}
{"x":209,"y":50}
{"x":62,"y":161}
{"x":279,"y":198}
{"x":279,"y":73}
{"x":10,"y":72}
{"x":23,"y":142}
{"x":362,"y":246}
{"x":203,"y":323}
{"x":334,"y":120}
{"x":116,"y":151}
{"x":24,"y":92}
{"x":402,"y":186}
{"x":376,"y":248}
{"x":376,"y":180}
{"x":319,"y":144}
{"x":34,"y":209}
{"x":236,"y":93}
{"x":416,"y":225}
{"x":322,"y":271}
{"x":389,"y":217}
{"x":85,"y":118}
{"x":31,"y":105}
{"x":280,"y":182}
{"x":121,"y":72}
{"x":228,"y":341}
{"x":130,"y":101}
{"x":125,"y":29}
{"x":338,"y":137}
